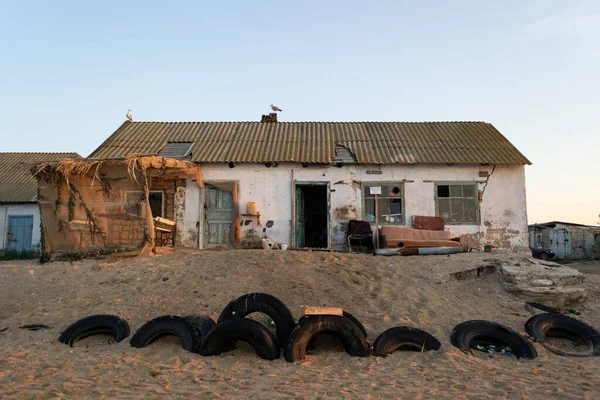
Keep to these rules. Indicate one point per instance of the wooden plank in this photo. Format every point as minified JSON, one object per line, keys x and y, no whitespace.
{"x":309,"y":310}
{"x":164,"y":221}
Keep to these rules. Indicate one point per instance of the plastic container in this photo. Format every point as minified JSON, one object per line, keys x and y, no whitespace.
{"x":283,"y":246}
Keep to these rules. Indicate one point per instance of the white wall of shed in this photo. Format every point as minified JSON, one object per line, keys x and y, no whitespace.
{"x":503,"y":211}
{"x":21,"y":209}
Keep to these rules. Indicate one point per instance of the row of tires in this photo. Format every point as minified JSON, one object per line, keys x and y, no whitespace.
{"x":200,"y":334}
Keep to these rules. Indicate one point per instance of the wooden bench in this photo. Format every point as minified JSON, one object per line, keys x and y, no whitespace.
{"x":164,"y":230}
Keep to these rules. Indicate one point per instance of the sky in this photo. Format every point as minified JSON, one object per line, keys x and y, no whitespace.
{"x":70,"y":70}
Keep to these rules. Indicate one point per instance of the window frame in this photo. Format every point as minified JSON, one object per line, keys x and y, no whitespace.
{"x":477,"y":222}
{"x":162,"y":192}
{"x":365,"y":184}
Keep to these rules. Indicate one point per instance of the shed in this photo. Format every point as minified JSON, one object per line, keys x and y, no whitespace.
{"x":567,"y":240}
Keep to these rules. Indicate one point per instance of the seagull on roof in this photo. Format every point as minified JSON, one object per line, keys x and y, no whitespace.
{"x":275,"y":108}
{"x":129,"y":115}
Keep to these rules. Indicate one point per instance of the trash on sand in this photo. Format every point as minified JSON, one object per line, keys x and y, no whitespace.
{"x":492,"y":349}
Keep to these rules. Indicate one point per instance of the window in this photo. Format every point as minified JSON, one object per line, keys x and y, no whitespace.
{"x":390,"y":205}
{"x":135,"y":201}
{"x":176,"y":149}
{"x":457,"y":203}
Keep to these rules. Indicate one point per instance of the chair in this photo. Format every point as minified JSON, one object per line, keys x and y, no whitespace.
{"x":164,"y":230}
{"x":360,"y":231}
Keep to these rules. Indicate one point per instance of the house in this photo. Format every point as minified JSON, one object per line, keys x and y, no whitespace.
{"x":566,"y":240}
{"x":301,"y":182}
{"x":19,"y":212}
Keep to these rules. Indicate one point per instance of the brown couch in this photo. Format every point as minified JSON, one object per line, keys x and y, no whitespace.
{"x":403,"y":237}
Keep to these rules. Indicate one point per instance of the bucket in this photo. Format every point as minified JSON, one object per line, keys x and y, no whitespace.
{"x":283,"y":246}
{"x":268,"y":244}
{"x":251,"y":208}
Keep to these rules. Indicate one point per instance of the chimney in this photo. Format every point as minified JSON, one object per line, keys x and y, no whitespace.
{"x":272,"y":117}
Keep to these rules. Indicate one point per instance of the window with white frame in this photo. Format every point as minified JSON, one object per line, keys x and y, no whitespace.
{"x":457,"y":203}
{"x":390,"y":202}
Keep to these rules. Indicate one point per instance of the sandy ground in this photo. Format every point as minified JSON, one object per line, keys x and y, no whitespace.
{"x":381,"y":291}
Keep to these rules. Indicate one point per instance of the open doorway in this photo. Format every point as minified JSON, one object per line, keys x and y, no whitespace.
{"x":312,"y":215}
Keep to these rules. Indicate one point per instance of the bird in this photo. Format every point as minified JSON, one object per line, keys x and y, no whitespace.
{"x":275,"y":108}
{"x":129,"y":115}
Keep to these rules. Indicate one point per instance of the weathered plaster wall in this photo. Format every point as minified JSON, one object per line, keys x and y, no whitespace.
{"x":24,"y":209}
{"x":187,"y":214}
{"x":503,"y":209}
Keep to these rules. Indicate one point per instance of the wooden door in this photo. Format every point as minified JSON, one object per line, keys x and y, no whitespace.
{"x":20,"y":230}
{"x":219,"y":217}
{"x":300,"y":226}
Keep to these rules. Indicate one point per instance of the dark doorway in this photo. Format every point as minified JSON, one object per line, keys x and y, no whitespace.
{"x":155,"y":198}
{"x":312,"y":215}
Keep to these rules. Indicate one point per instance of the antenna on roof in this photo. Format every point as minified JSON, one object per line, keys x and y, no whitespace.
{"x":129,"y":115}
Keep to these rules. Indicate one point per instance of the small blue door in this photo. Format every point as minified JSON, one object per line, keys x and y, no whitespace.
{"x":19,"y":233}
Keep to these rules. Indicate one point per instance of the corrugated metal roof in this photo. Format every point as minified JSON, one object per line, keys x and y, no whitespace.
{"x":314,"y":142}
{"x":17,"y":185}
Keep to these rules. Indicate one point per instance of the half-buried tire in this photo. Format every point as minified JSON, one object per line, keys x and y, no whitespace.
{"x":404,"y":338}
{"x":536,"y":308}
{"x":356,"y":322}
{"x":354,"y":341}
{"x":467,"y":335}
{"x":544,"y":326}
{"x":95,"y":325}
{"x":202,"y":323}
{"x":352,"y":318}
{"x":188,"y":335}
{"x":219,"y":339}
{"x":264,"y":303}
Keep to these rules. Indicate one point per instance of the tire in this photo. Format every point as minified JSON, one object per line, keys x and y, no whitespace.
{"x":466,"y":334}
{"x":404,"y":338}
{"x":543,"y":326}
{"x":219,"y":339}
{"x":354,"y":341}
{"x":352,"y":318}
{"x":35,"y":327}
{"x":264,"y":303}
{"x":535,"y":308}
{"x":201,"y":323}
{"x":95,"y":325}
{"x":166,"y":325}
{"x":543,"y":256}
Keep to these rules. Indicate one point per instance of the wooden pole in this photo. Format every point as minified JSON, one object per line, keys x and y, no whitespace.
{"x":376,"y":222}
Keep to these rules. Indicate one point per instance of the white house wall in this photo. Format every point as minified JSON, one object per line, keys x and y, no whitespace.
{"x":25,"y":209}
{"x":503,"y":221}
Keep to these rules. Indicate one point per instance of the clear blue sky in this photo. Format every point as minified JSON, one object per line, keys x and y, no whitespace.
{"x":70,"y":70}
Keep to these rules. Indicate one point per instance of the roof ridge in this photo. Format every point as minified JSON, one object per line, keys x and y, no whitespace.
{"x":38,"y":152}
{"x":311,"y":122}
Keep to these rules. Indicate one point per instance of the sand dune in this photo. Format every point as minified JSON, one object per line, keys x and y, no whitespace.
{"x":380,"y":291}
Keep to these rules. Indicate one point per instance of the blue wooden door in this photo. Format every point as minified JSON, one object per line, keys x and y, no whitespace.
{"x":19,"y":233}
{"x":219,"y":217}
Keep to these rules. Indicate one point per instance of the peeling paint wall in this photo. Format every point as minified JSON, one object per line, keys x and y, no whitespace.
{"x":187,"y":214}
{"x":503,"y":221}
